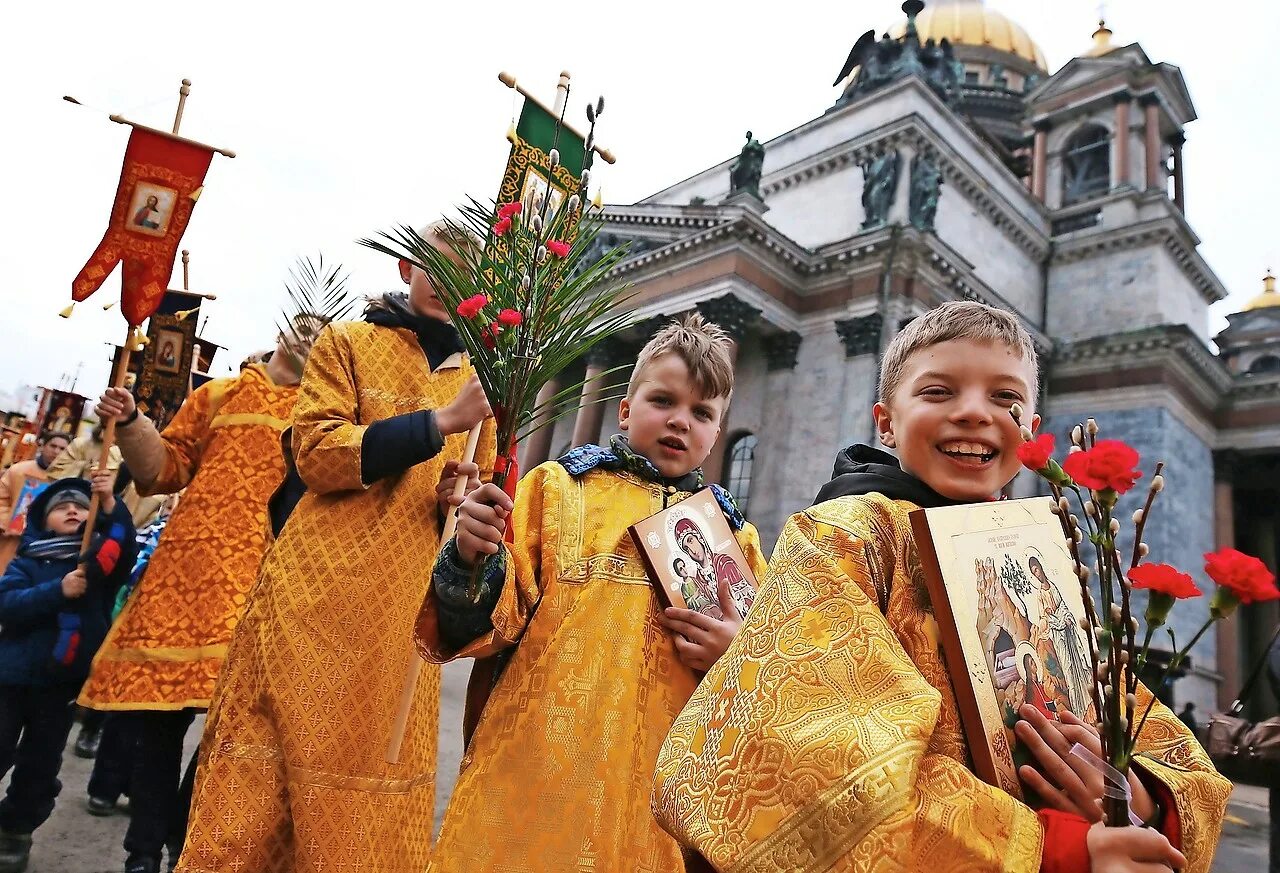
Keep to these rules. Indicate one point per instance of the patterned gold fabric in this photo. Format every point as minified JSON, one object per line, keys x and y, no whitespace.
{"x":827,"y":737}
{"x":292,"y":776}
{"x":165,"y":650}
{"x":557,"y":775}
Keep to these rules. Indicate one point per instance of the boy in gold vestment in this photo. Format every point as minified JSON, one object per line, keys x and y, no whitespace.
{"x":556,"y":776}
{"x":292,"y":774}
{"x":828,"y":737}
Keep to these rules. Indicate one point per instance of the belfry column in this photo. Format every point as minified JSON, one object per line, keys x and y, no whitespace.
{"x":538,"y":446}
{"x":1155,"y":170}
{"x":736,"y":317}
{"x":1039,"y":160}
{"x":1178,"y":194}
{"x":586,"y":429}
{"x":1121,"y":161}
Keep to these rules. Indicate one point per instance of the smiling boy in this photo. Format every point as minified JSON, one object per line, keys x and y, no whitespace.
{"x":556,"y":776}
{"x":828,"y":736}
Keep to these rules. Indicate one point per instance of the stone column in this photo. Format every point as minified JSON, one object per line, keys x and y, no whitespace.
{"x":861,"y":338}
{"x":1120,"y":154}
{"x":586,"y":429}
{"x":1039,"y":160}
{"x":768,"y":502}
{"x":736,"y":317}
{"x":900,"y":208}
{"x":1179,"y":197}
{"x":537,"y":448}
{"x":1224,"y":534}
{"x":1155,"y":170}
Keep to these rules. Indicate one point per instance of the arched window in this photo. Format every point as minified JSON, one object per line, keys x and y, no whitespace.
{"x":1086,"y":165}
{"x":1265,"y":364}
{"x":741,"y":454}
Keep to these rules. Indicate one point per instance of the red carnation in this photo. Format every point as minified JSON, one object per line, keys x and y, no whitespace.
{"x":558,"y":248}
{"x":510,"y":317}
{"x":1036,"y":454}
{"x":489,"y":335}
{"x":502,"y":227}
{"x":1245,"y":576}
{"x":1109,"y":464}
{"x":1163,"y":579}
{"x":509,"y":209}
{"x":471,"y":307}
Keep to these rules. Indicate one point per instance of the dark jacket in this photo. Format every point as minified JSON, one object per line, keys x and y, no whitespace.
{"x":36,"y":619}
{"x":863,"y":470}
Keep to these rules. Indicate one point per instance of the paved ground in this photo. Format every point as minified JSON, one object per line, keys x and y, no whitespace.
{"x":75,"y":842}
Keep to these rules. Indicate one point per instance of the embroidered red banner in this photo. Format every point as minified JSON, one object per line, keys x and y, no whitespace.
{"x":153,"y":204}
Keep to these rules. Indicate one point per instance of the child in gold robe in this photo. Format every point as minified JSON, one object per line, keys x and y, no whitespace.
{"x":556,"y":776}
{"x":292,"y":772}
{"x":828,"y":736}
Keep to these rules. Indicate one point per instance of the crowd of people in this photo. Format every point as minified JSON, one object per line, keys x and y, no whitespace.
{"x":817,"y":732}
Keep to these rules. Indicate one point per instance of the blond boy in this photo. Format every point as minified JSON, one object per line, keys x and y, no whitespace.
{"x":828,"y":737}
{"x":556,"y":776}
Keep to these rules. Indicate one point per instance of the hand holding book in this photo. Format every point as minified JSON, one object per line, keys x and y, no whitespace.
{"x":699,"y":638}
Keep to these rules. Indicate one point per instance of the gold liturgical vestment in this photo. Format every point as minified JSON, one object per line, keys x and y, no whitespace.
{"x":557,"y":775}
{"x":292,"y":777}
{"x":223,"y":446}
{"x":827,"y":737}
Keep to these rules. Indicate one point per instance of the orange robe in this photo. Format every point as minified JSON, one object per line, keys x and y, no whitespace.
{"x":166,"y":648}
{"x":827,"y":737}
{"x":292,"y":774}
{"x":11,"y":482}
{"x":557,"y":775}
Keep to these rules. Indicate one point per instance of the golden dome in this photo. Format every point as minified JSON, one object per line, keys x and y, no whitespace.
{"x":1268,"y":297}
{"x":970,"y":22}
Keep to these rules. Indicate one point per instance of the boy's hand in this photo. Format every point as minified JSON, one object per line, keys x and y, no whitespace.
{"x":482,"y":520}
{"x":1131,"y":850}
{"x":449,"y":481}
{"x":467,"y":410}
{"x":102,"y":483}
{"x":117,"y":403}
{"x":1068,"y":782}
{"x":74,"y":584}
{"x":700,"y":639}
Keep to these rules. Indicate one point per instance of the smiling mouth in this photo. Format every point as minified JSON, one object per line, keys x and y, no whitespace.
{"x":969,"y":452}
{"x":673,"y":443}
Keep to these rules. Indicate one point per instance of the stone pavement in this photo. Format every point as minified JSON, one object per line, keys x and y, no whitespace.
{"x":75,"y":842}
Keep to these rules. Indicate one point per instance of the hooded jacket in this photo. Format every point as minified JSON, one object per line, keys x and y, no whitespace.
{"x":863,"y":470}
{"x":36,"y":618}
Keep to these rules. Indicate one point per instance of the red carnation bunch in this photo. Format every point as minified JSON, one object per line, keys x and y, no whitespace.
{"x":471,"y":307}
{"x":1107,"y":464}
{"x":1240,"y":578}
{"x":1164,"y":579}
{"x":558,"y":248}
{"x":1036,"y":454}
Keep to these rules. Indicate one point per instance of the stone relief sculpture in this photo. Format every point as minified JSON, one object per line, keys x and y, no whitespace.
{"x":879,"y":181}
{"x":926,"y":188}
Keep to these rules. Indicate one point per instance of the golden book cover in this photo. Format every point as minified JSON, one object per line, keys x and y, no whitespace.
{"x":1008,"y":605}
{"x":687,"y":549}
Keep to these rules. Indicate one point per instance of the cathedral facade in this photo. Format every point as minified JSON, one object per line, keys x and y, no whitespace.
{"x":954,"y":165}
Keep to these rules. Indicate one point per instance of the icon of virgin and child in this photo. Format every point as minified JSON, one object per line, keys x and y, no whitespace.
{"x":1034,"y":647}
{"x":701,"y":570}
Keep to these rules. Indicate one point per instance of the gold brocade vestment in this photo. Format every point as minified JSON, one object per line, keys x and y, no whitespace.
{"x":557,"y":774}
{"x":165,"y":650}
{"x":292,"y":777}
{"x":827,"y":736}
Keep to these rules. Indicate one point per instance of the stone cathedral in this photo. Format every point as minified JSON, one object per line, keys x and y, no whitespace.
{"x":953,"y":164}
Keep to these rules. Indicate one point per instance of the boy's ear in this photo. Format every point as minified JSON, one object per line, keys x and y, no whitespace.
{"x":406,"y":270}
{"x":884,"y":425}
{"x":624,"y":414}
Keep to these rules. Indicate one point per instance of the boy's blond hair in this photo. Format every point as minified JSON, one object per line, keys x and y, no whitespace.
{"x":450,"y":241}
{"x":705,"y":348}
{"x":953,"y":320}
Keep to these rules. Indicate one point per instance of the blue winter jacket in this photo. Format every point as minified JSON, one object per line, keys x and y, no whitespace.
{"x":36,"y":619}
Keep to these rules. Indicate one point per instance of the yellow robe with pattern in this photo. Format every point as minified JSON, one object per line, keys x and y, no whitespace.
{"x":557,"y":774}
{"x":827,"y":737}
{"x":223,"y":447}
{"x":292,"y":777}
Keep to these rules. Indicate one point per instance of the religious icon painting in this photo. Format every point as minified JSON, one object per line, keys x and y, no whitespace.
{"x":150,"y":209}
{"x":535,"y":191}
{"x":170,"y":346}
{"x":1008,"y":606}
{"x":31,"y":488}
{"x":688,"y":549}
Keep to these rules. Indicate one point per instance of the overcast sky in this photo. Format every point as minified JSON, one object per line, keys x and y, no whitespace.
{"x":350,"y":118}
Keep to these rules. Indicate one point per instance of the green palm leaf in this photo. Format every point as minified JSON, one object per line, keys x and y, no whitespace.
{"x":317,"y":295}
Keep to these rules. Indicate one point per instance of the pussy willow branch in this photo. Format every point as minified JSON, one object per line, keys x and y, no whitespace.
{"x":1142,"y":522}
{"x":1091,"y":614}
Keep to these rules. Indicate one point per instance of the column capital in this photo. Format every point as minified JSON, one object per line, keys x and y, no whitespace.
{"x":607,"y":353}
{"x":861,"y":336}
{"x":1151,"y":98}
{"x":1044,"y":125}
{"x":782,"y":350}
{"x":1226,"y":463}
{"x":1122,"y":98}
{"x":1177,"y":139}
{"x":734,"y":315}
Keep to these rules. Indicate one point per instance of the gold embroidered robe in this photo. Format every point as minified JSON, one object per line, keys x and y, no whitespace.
{"x":827,"y":737}
{"x":166,"y":648}
{"x":557,"y":774}
{"x":292,"y":776}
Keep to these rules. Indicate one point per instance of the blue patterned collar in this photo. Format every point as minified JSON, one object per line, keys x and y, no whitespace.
{"x":620,"y":457}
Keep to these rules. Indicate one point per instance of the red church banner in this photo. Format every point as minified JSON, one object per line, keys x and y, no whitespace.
{"x":161,"y":180}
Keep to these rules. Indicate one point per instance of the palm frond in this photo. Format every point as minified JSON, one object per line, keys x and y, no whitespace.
{"x":316,"y":295}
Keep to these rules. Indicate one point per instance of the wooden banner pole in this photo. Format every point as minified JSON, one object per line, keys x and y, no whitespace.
{"x":118,"y":377}
{"x":401,"y":724}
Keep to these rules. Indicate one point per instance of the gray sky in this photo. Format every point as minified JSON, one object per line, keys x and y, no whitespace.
{"x":351,"y":118}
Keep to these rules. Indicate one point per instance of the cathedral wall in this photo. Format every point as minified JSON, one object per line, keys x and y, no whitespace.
{"x":996,"y":259}
{"x":1121,"y":290}
{"x":1180,"y":530}
{"x":820,"y":211}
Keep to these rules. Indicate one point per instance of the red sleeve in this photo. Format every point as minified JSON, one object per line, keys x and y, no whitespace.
{"x":1169,"y":826}
{"x":1066,"y":848}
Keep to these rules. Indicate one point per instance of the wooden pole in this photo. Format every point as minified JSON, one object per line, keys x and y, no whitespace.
{"x":108,"y":438}
{"x":410,"y":685}
{"x":186,"y":270}
{"x":182,"y":103}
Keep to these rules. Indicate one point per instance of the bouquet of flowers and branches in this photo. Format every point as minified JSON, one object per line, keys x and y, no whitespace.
{"x":1095,"y":473}
{"x":527,"y":294}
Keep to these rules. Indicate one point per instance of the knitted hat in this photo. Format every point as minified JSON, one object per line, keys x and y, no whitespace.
{"x":66,"y":491}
